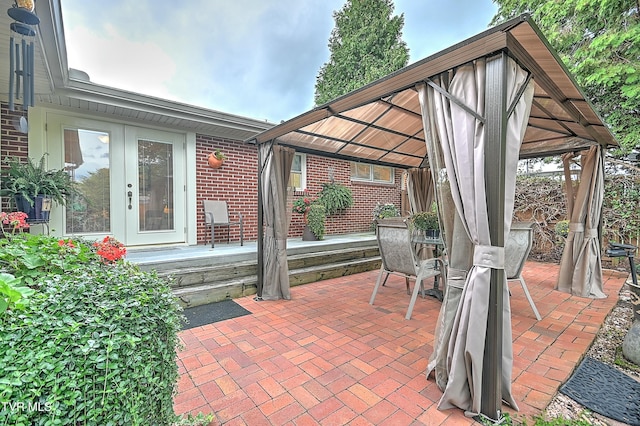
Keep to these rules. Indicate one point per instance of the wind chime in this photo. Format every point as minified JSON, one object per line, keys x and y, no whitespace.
{"x":21,"y":55}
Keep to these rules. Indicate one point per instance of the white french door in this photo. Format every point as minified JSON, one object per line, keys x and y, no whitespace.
{"x":155,"y":186}
{"x":131,"y":180}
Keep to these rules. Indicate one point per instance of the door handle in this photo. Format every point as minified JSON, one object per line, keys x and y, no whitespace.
{"x":130,"y":195}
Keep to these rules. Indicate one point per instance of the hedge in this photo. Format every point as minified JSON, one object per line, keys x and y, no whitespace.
{"x":94,"y":347}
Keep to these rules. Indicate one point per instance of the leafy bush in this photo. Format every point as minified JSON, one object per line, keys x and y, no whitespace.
{"x":335,"y":197}
{"x":32,"y":258}
{"x":92,"y":347}
{"x":425,"y":221}
{"x":13,"y":295}
{"x":562,"y":229}
{"x":382,"y":211}
{"x":316,"y":219}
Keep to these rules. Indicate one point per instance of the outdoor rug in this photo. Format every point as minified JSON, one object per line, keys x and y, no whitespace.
{"x":213,"y":312}
{"x":605,"y":390}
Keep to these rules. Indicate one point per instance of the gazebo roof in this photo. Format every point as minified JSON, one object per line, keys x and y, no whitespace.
{"x":381,"y":122}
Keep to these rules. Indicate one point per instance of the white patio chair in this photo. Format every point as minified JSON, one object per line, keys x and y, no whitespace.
{"x":399,"y":258}
{"x":216,"y":213}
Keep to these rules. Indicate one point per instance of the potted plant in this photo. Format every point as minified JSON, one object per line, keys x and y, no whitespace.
{"x":32,"y":187}
{"x":426,"y":222}
{"x":216,"y":158}
{"x":315,"y":220}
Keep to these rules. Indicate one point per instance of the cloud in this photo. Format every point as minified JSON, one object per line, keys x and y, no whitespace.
{"x":255,"y":58}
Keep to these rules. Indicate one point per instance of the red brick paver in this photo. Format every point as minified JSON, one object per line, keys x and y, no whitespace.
{"x":327,"y":357}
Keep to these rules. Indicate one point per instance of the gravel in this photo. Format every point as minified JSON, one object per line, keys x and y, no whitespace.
{"x":606,"y":348}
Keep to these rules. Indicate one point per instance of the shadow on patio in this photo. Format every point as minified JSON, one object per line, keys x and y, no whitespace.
{"x":328,"y":357}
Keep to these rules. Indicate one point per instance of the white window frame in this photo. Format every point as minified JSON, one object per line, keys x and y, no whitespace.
{"x":371,"y":178}
{"x":302,"y":172}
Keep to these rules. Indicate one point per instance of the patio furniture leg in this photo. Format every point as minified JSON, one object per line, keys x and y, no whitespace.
{"x":526,"y":293}
{"x":417,"y":287}
{"x":375,"y":289}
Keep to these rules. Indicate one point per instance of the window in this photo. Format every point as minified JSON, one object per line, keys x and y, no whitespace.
{"x":371,"y":173}
{"x":298,"y":176}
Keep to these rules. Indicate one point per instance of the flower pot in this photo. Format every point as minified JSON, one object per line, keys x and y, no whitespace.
{"x":214,"y":161}
{"x":307,"y":235}
{"x":40,"y":209}
{"x":432,"y":233}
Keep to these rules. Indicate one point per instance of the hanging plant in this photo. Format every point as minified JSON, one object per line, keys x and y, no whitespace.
{"x":216,"y":158}
{"x":335,"y":197}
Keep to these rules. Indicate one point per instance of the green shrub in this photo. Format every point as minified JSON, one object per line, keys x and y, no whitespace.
{"x":316,"y":220}
{"x":382,"y":211}
{"x":562,"y":228}
{"x":34,"y":257}
{"x":335,"y":197}
{"x":92,"y":347}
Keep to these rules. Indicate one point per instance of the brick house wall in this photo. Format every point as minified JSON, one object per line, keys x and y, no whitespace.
{"x":237,"y":182}
{"x":12,"y":142}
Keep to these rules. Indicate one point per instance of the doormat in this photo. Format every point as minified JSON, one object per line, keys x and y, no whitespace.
{"x":213,"y":312}
{"x":605,"y":390}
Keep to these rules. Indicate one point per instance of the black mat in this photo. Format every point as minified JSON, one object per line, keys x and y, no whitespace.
{"x":213,"y":312}
{"x":605,"y":390}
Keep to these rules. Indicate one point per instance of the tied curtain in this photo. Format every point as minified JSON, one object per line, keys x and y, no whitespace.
{"x":453,"y":111}
{"x":420,"y":189}
{"x":580,"y":267}
{"x":275,"y":161}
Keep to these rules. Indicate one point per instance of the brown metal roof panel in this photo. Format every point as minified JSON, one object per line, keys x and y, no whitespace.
{"x":401,"y":160}
{"x":536,"y":134}
{"x":407,"y":99}
{"x":367,"y":113}
{"x":529,"y":37}
{"x":551,"y":108}
{"x":413,"y":147}
{"x":309,"y":141}
{"x":380,"y":139}
{"x":362,"y":152}
{"x":548,"y":124}
{"x":335,"y":128}
{"x":401,"y":121}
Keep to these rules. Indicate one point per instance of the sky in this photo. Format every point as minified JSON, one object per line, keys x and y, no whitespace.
{"x":253,"y":58}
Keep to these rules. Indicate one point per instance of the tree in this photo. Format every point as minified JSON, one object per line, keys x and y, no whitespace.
{"x":599,"y":41}
{"x":365,"y":44}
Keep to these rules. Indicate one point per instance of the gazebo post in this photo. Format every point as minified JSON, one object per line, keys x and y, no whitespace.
{"x":495,"y":154}
{"x":260,"y":241}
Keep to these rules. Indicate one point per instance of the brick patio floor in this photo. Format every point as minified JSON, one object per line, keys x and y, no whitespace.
{"x":327,"y":357}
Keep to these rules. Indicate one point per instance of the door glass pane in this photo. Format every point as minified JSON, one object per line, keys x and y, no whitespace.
{"x":155,"y":186}
{"x":86,"y":158}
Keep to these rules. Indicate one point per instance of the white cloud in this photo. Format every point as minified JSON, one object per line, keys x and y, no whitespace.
{"x":257,"y":58}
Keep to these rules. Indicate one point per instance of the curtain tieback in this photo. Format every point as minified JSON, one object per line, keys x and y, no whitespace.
{"x":576,"y":227}
{"x":488,"y":256}
{"x":591,"y":233}
{"x":269,"y":232}
{"x":456,"y":277}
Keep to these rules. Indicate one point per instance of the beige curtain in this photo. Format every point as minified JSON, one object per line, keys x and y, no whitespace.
{"x":419,"y":189}
{"x":461,"y":135}
{"x":580,"y":267}
{"x":277,"y":162}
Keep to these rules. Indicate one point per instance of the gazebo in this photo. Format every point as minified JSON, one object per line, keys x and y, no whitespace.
{"x":458,"y":121}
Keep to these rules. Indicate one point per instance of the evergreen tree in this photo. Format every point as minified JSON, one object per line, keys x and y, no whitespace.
{"x":599,"y":41}
{"x":366,"y":44}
